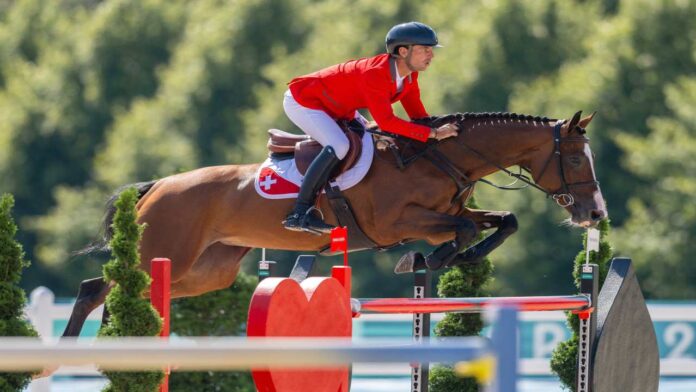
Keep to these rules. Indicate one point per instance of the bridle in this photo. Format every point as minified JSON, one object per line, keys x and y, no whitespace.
{"x":562,"y":196}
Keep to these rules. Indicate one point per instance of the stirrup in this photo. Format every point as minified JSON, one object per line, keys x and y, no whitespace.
{"x":304,"y":222}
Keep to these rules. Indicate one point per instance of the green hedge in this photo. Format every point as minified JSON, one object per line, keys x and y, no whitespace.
{"x":564,"y":360}
{"x":12,"y":297}
{"x":219,"y":313}
{"x":131,"y":313}
{"x":460,"y":281}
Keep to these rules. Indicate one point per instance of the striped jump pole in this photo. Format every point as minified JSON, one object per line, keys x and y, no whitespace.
{"x":422,"y":287}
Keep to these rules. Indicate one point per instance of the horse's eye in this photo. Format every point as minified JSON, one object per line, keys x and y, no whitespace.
{"x":575,"y":160}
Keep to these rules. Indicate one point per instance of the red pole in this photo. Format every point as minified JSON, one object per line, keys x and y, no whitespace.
{"x":160,"y":295}
{"x":471,"y":305}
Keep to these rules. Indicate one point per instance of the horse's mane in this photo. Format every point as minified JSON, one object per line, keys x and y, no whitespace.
{"x":459,"y":118}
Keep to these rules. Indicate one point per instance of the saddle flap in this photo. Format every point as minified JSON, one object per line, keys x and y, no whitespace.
{"x":282,"y":142}
{"x":306,"y":151}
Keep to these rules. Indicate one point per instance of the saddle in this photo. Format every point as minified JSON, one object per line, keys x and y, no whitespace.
{"x":285,"y":145}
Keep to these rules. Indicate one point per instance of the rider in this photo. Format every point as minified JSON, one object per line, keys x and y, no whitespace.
{"x":315,"y":101}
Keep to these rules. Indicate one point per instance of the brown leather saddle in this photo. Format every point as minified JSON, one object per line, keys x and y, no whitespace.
{"x":304,"y":149}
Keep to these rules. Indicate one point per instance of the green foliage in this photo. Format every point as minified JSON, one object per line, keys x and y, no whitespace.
{"x":662,"y":225}
{"x":130,"y":313}
{"x":565,"y":356}
{"x":219,"y":313}
{"x":443,"y":379}
{"x":12,"y":297}
{"x":564,"y":362}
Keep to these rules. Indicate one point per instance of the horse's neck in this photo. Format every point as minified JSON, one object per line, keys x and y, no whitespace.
{"x":500,"y":143}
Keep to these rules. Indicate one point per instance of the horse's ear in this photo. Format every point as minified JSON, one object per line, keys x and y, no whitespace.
{"x":585,"y":121}
{"x":574,"y":122}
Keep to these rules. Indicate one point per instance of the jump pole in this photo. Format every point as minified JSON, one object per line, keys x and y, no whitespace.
{"x":160,"y":297}
{"x":422,"y":287}
{"x":422,"y":305}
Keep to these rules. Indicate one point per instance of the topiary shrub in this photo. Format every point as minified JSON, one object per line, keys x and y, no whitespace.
{"x":131,"y":313}
{"x":12,"y":297}
{"x":564,"y":359}
{"x":220,"y":313}
{"x":460,"y":281}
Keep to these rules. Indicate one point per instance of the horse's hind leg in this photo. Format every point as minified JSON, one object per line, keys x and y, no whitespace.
{"x":91,"y":294}
{"x":215,"y":269}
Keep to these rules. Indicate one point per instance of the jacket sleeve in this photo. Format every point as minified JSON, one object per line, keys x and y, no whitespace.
{"x":412,"y":102}
{"x":376,"y":89}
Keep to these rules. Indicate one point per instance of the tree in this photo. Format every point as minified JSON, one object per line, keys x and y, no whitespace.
{"x":12,"y":297}
{"x":130,"y":313}
{"x":460,"y":281}
{"x":660,"y":229}
{"x":180,"y":114}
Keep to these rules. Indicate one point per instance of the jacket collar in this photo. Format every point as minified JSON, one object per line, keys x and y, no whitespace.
{"x":392,"y":70}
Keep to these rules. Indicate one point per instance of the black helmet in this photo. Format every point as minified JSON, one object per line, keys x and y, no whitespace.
{"x":411,"y":33}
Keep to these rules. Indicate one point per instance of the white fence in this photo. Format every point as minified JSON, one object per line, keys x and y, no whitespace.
{"x":42,"y":311}
{"x":675,"y":326}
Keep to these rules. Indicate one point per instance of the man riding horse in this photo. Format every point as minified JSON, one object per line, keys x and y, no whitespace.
{"x":315,"y":102}
{"x":206,"y":220}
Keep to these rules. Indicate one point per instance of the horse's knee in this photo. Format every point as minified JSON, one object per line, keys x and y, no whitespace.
{"x":509,"y":224}
{"x":466,"y":231}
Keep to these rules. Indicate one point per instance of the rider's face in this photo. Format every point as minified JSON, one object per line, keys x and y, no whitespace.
{"x":420,"y":58}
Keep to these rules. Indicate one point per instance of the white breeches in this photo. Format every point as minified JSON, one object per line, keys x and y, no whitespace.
{"x":319,"y":125}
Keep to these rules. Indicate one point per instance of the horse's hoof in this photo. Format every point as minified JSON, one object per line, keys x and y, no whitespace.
{"x":45,"y":372}
{"x":407,"y":263}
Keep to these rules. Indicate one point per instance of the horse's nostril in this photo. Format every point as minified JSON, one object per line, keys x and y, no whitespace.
{"x":596,"y":215}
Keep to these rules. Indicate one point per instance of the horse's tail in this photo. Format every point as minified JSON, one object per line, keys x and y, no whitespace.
{"x":102,"y":244}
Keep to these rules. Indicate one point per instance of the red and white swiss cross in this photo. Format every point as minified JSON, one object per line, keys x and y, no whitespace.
{"x":280,"y":179}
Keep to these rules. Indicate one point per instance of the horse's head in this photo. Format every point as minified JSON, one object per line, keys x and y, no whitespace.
{"x":566,"y":172}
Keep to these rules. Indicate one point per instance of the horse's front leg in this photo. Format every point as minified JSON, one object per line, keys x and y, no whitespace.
{"x":506,"y":225}
{"x":430,"y":224}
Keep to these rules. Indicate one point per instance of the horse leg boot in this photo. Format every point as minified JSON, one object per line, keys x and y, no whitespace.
{"x":442,"y":255}
{"x":91,"y":294}
{"x":304,"y":216}
{"x":477,"y":252}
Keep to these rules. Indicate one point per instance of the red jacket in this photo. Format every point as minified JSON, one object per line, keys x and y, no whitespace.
{"x":369,"y":83}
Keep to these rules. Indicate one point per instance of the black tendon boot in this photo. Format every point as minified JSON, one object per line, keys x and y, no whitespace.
{"x":304,"y":217}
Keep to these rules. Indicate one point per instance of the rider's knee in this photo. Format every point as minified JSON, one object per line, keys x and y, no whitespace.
{"x":341,"y":149}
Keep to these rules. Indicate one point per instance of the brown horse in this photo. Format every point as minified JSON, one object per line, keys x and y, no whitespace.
{"x":206,"y":220}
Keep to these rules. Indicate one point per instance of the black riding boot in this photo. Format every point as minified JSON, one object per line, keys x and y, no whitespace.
{"x":304,"y":217}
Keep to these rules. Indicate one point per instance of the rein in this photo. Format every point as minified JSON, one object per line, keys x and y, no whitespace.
{"x":563,"y":196}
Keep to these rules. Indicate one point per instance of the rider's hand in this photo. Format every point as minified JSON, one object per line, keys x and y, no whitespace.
{"x":443,"y":132}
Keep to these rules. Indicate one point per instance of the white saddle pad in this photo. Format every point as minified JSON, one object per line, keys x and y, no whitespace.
{"x":280,"y":179}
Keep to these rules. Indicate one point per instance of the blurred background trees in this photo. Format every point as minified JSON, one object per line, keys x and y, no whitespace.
{"x":96,"y":94}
